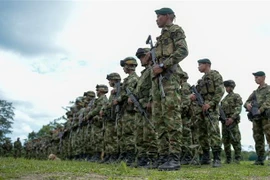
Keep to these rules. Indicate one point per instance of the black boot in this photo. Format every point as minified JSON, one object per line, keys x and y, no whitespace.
{"x":152,"y":163}
{"x":113,"y":159}
{"x":186,"y":160}
{"x":216,"y":159}
{"x":142,"y":161}
{"x":205,"y":157}
{"x":259,"y":161}
{"x":130,"y":158}
{"x":122,"y":157}
{"x":228,"y":160}
{"x":95,"y":158}
{"x":172,"y":164}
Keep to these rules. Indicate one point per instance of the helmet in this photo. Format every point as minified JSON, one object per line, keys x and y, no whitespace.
{"x":79,"y":99}
{"x":229,"y":83}
{"x":102,"y":87}
{"x":90,"y":94}
{"x":113,"y":76}
{"x":128,"y":61}
{"x":142,"y":51}
{"x":184,"y":75}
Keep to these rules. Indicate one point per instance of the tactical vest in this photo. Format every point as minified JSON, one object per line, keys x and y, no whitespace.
{"x":207,"y":85}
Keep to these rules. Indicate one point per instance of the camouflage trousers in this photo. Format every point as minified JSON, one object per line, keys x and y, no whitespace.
{"x":209,"y":133}
{"x":187,"y":135}
{"x":97,"y":135}
{"x":145,"y":137}
{"x":167,"y":115}
{"x":110,"y":138}
{"x":232,"y":137}
{"x":126,"y":133}
{"x":261,"y":128}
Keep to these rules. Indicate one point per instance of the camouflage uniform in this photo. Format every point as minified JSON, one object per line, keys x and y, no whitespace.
{"x":126,"y":124}
{"x":111,"y":148}
{"x":97,"y":138}
{"x":17,"y":148}
{"x":7,"y":147}
{"x":261,"y":123}
{"x":232,"y":107}
{"x":145,"y":134}
{"x":211,"y":89}
{"x":186,"y":118}
{"x":171,"y":49}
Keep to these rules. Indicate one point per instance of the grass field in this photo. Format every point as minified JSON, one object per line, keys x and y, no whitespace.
{"x":35,"y":169}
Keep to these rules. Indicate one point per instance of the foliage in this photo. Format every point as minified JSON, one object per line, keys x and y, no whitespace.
{"x":32,"y":135}
{"x":36,"y":169}
{"x":6,"y":118}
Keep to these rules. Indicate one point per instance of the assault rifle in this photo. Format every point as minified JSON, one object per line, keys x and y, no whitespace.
{"x":254,"y":112}
{"x":138,"y":105}
{"x":223,"y":119}
{"x":201,"y":103}
{"x":153,"y":55}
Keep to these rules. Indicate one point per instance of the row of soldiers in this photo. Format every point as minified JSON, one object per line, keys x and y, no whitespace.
{"x":7,"y":148}
{"x":151,"y":121}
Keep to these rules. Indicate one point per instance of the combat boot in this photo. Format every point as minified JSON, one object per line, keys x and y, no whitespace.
{"x":130,"y":159}
{"x":228,"y":160}
{"x":216,"y":159}
{"x":173,"y":163}
{"x":259,"y":161}
{"x":113,"y":159}
{"x":142,"y":161}
{"x":152,"y":163}
{"x":122,"y":157}
{"x":186,"y":160}
{"x":205,"y":157}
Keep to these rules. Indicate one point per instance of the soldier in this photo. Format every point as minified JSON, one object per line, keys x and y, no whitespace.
{"x":171,"y":48}
{"x":7,"y":147}
{"x":97,"y":122}
{"x":211,"y":89}
{"x":17,"y":148}
{"x":186,"y":113}
{"x":258,"y":105}
{"x":232,"y":107}
{"x":125,"y":127}
{"x":108,"y":112}
{"x":145,"y":135}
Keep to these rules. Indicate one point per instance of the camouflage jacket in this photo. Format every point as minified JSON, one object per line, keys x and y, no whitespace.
{"x":144,"y":84}
{"x":232,"y":105}
{"x":263,"y":98}
{"x":171,"y":46}
{"x":99,"y":102}
{"x":211,"y":88}
{"x":17,"y":145}
{"x":185,"y":91}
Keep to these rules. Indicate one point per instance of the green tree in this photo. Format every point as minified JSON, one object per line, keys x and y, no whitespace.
{"x":6,"y":118}
{"x":32,"y":135}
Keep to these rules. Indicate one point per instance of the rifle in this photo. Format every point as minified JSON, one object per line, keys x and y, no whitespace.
{"x":223,"y":119}
{"x":254,"y":112}
{"x":153,"y":55}
{"x":201,"y":103}
{"x":140,"y":108}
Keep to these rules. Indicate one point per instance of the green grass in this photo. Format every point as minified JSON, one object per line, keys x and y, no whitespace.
{"x":36,"y":169}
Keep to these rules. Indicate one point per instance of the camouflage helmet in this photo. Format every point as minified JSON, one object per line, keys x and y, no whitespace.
{"x":79,"y":100}
{"x":90,"y":94}
{"x":184,"y":75}
{"x":229,"y":83}
{"x":113,"y":76}
{"x":102,"y":87}
{"x":128,"y":61}
{"x":142,"y":51}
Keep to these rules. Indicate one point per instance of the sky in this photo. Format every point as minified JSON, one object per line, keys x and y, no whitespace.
{"x":53,"y":51}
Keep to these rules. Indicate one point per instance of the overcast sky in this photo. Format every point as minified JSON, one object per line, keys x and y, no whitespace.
{"x":53,"y":51}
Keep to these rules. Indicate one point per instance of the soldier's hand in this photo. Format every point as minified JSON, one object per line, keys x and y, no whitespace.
{"x":205,"y":107}
{"x":229,"y":121}
{"x":113,"y":91}
{"x":249,"y":106}
{"x":130,"y":101}
{"x":149,"y":107}
{"x":115,"y":102}
{"x":157,"y":70}
{"x":192,"y":97}
{"x":101,"y":113}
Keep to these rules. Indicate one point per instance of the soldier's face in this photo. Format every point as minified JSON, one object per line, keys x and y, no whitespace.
{"x":202,"y":67}
{"x":161,"y":20}
{"x":259,"y":79}
{"x":144,"y":60}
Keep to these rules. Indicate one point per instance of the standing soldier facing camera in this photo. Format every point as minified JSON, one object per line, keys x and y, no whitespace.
{"x":170,"y":50}
{"x":258,"y":105}
{"x":231,"y":105}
